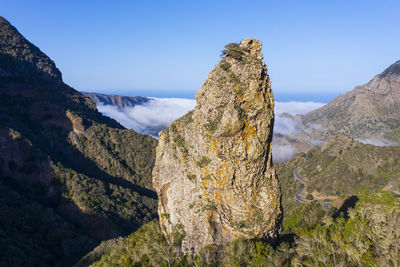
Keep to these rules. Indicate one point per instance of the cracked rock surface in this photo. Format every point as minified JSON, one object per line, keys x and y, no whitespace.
{"x":213,"y":173}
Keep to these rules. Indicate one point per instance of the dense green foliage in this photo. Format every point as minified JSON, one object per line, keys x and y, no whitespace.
{"x":31,"y":234}
{"x":362,"y":232}
{"x":61,"y":156}
{"x":345,"y":165}
{"x":120,"y":153}
{"x":121,"y":205}
{"x":369,"y":236}
{"x":147,"y":246}
{"x":366,"y":235}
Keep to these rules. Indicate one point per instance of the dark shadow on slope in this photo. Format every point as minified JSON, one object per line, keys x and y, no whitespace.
{"x":53,"y":141}
{"x":36,"y":108}
{"x":344,"y":209}
{"x":285,"y":238}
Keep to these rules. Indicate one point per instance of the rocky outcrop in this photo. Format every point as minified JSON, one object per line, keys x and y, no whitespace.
{"x":213,"y":172}
{"x":19,"y":57}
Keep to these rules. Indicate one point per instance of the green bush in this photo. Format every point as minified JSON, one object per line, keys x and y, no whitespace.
{"x":212,"y":125}
{"x":204,"y":161}
{"x":145,"y":247}
{"x":233,"y":50}
{"x":225,"y":65}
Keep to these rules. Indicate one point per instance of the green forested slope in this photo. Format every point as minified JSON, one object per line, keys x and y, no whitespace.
{"x":344,"y":165}
{"x":360,"y":230}
{"x":365,"y":234}
{"x":74,"y":176}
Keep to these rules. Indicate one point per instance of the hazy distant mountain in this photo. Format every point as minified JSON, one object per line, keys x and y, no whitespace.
{"x":116,"y":100}
{"x":370,"y":111}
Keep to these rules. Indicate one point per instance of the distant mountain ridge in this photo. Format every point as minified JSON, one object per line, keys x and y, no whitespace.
{"x":117,"y":100}
{"x":371,"y":110}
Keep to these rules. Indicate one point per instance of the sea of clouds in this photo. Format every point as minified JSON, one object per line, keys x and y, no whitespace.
{"x":158,"y":113}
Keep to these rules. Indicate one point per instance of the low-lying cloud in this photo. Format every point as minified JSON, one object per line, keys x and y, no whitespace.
{"x":285,"y":126}
{"x":150,"y":117}
{"x":295,"y":108}
{"x":377,"y":141}
{"x":158,"y":113}
{"x":282,"y":152}
{"x":291,"y":125}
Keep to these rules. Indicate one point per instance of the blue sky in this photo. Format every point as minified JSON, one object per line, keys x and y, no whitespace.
{"x":314,"y":49}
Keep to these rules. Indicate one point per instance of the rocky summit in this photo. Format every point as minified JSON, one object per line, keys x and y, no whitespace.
{"x":213,"y":173}
{"x":20,"y":58}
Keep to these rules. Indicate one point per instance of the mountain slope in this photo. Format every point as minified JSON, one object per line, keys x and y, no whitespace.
{"x":59,"y":154}
{"x":370,"y":110}
{"x":19,"y":56}
{"x":344,"y":165}
{"x":339,"y":237}
{"x":340,"y":168}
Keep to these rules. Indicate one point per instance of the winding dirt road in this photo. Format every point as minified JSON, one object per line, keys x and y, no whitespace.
{"x":298,"y":196}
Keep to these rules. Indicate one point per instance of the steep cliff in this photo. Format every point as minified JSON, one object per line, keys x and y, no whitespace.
{"x":213,"y":172}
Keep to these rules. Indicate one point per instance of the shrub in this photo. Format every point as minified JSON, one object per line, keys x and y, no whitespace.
{"x":191,"y":177}
{"x":213,"y":124}
{"x":233,"y":50}
{"x":204,"y":161}
{"x":178,"y":235}
{"x":225,"y":65}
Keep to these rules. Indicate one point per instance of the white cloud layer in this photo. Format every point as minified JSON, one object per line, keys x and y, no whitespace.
{"x":282,"y":152}
{"x":294,"y":107}
{"x":376,"y":141}
{"x":159,"y":113}
{"x":285,"y":126}
{"x":150,"y":117}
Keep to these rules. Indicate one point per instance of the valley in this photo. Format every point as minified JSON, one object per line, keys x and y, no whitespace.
{"x":80,"y":189}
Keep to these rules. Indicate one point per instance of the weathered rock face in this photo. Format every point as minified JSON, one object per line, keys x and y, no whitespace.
{"x":213,"y":172}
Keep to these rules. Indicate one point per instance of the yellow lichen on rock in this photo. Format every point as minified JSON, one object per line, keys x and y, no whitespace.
{"x":227,"y":170}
